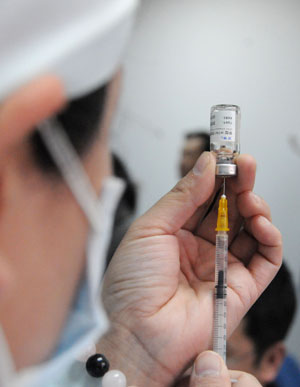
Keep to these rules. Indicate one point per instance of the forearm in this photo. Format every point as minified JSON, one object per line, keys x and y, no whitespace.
{"x":126,"y":353}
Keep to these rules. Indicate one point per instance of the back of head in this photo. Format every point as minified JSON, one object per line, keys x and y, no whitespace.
{"x":270,"y":318}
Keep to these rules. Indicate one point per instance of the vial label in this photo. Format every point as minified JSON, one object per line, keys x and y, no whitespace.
{"x":222,"y":126}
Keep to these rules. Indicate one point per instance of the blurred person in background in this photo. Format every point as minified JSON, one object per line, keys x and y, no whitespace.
{"x":257,"y":345}
{"x":195,"y":143}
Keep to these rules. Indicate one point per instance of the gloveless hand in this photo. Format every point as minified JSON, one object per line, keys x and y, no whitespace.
{"x":160,"y":284}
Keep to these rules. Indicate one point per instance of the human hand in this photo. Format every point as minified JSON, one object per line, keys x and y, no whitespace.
{"x":158,"y":290}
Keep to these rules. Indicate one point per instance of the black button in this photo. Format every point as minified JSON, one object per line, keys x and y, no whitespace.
{"x":97,"y":366}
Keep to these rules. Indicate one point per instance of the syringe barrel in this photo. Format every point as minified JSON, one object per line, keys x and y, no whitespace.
{"x":220,"y":312}
{"x":220,"y":327}
{"x":221,"y":257}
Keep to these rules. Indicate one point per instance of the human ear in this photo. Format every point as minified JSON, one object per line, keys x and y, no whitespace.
{"x":271,"y":362}
{"x":28,"y":106}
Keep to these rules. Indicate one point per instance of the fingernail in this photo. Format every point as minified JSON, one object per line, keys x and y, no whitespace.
{"x":256,"y":198}
{"x":265,"y":221}
{"x":201,"y":163}
{"x":207,"y":364}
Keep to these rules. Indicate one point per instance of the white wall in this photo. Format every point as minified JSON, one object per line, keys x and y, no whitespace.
{"x":187,"y":55}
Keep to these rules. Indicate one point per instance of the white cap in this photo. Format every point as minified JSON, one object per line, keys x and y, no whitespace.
{"x":80,"y":41}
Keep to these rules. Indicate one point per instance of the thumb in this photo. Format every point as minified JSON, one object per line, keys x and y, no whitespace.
{"x":210,"y":371}
{"x":170,"y":213}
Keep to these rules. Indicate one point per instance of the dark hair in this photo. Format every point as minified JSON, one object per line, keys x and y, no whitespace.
{"x":269,"y":319}
{"x":129,"y":196}
{"x":202,"y":136}
{"x":126,"y":208}
{"x":80,"y":120}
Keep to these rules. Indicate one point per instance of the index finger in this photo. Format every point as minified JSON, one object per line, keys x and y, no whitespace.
{"x":170,"y":213}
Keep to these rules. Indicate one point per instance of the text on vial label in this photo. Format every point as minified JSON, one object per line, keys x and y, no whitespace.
{"x":222,"y":126}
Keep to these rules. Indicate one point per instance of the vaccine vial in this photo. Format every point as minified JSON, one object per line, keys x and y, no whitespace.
{"x":225,"y":121}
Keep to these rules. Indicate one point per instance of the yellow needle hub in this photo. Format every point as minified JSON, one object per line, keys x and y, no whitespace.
{"x":222,"y":223}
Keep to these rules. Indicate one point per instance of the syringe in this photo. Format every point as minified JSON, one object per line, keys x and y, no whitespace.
{"x":220,"y":312}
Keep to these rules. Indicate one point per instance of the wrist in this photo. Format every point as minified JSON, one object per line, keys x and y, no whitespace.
{"x":126,"y":353}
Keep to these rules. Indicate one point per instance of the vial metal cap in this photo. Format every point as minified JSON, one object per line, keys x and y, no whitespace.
{"x":226,"y":170}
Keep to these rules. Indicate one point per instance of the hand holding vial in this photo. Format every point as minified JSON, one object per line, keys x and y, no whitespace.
{"x":159,"y":287}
